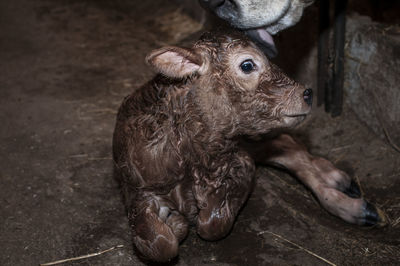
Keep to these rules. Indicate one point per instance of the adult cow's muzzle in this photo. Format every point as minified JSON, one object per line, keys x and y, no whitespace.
{"x":260,"y":19}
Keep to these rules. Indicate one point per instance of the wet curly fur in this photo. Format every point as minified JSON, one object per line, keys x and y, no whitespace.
{"x":179,"y":148}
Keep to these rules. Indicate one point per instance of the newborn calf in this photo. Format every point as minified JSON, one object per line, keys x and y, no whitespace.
{"x":180,"y":150}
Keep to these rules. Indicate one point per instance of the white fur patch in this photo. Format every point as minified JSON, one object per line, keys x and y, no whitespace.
{"x":273,"y":15}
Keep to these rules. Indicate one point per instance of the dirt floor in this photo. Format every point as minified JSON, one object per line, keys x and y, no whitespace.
{"x":65,"y":67}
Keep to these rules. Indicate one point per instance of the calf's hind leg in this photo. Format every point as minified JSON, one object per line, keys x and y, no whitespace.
{"x":157,"y":229}
{"x":335,"y":190}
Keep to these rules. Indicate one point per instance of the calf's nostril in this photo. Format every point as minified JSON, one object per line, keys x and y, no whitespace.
{"x":308,"y":92}
{"x":307,"y":96}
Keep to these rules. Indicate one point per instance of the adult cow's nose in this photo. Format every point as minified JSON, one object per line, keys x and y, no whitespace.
{"x":307,"y":96}
{"x":212,"y":4}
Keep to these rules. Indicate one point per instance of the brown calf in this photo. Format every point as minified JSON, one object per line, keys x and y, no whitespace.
{"x":181,"y":152}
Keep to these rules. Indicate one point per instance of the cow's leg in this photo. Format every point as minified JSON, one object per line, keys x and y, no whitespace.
{"x":157,"y":228}
{"x":335,"y":190}
{"x":220,"y":201}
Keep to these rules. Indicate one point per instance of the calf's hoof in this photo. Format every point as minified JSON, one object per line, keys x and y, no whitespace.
{"x":215,"y":225}
{"x":153,"y":238}
{"x":161,"y":250}
{"x":374,"y":216}
{"x":353,"y":191}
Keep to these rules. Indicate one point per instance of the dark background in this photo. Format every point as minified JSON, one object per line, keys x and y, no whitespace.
{"x":65,"y":67}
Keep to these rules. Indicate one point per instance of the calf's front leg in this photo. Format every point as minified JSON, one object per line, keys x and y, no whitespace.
{"x":335,"y":190}
{"x":219,"y":201}
{"x":157,"y":228}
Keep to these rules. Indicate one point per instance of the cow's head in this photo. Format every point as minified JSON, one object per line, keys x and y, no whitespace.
{"x":259,"y":18}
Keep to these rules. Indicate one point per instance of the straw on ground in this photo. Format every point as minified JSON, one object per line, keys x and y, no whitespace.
{"x":298,"y":246}
{"x":82,"y":257}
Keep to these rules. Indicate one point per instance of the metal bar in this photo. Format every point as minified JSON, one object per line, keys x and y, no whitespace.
{"x":323,"y":51}
{"x":338,"y":68}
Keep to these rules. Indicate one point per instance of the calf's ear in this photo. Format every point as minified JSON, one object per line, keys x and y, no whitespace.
{"x":175,"y":62}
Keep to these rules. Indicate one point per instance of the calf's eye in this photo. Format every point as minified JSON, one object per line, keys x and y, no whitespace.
{"x":247,"y":66}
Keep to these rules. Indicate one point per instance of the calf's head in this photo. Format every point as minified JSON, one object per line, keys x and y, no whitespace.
{"x":239,"y":91}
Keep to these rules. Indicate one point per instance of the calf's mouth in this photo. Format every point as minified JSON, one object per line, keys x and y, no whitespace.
{"x":294,"y":119}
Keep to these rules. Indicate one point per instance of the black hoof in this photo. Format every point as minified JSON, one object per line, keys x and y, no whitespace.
{"x":373,"y":216}
{"x":353,"y":191}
